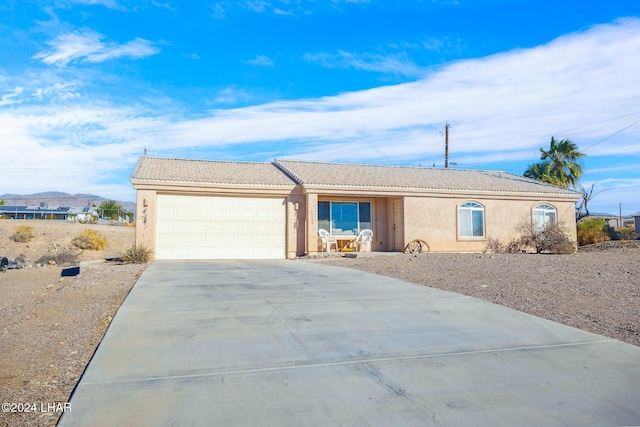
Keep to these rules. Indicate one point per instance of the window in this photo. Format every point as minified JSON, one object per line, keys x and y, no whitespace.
{"x":544,"y":215}
{"x":344,"y":218}
{"x":471,"y":216}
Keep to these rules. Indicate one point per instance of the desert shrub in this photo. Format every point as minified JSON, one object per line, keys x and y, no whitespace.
{"x":550,"y":239}
{"x":60,"y":258}
{"x":626,"y":233}
{"x":137,"y":254}
{"x":513,"y":246}
{"x":23,"y":233}
{"x":593,"y":230}
{"x":90,"y":239}
{"x":87,"y":220}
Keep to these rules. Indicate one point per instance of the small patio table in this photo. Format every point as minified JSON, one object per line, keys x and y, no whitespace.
{"x":346,"y":243}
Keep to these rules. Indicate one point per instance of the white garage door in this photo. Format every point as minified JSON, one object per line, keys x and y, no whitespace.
{"x":197,"y":227}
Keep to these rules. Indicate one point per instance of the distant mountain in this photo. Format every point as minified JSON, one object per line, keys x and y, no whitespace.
{"x":57,"y":198}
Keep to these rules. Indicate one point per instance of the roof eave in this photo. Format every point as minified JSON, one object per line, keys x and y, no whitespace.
{"x":415,"y":191}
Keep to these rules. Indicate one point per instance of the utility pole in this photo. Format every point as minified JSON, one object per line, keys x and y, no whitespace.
{"x":620,"y":207}
{"x":446,"y":145}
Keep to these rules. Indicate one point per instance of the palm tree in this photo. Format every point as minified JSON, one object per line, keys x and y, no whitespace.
{"x":564,"y":157}
{"x":559,"y":166}
{"x":110,"y":209}
{"x":541,"y":172}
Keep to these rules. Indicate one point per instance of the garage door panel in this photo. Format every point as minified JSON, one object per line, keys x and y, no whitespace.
{"x":200,"y":213}
{"x":197,"y":227}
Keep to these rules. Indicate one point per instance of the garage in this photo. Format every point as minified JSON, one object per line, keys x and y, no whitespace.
{"x":220,"y":227}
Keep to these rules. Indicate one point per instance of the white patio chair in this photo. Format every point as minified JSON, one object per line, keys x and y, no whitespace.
{"x":327,"y":240}
{"x":365,"y":237}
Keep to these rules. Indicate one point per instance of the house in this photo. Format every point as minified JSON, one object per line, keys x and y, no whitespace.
{"x":43,"y":211}
{"x":202,"y":209}
{"x":612,"y":221}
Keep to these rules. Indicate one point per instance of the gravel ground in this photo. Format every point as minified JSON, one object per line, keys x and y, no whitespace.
{"x":51,"y":325}
{"x":596,"y":289}
{"x":48,"y":333}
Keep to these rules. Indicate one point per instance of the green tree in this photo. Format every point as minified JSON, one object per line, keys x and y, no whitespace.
{"x":560,"y":164}
{"x":593,"y":230}
{"x":542,"y":172}
{"x":110,"y":209}
{"x":2,"y":202}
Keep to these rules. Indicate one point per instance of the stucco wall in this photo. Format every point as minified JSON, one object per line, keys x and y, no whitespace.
{"x":435,"y":220}
{"x":146,"y":218}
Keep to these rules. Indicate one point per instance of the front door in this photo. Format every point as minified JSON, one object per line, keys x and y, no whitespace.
{"x":398,"y":241}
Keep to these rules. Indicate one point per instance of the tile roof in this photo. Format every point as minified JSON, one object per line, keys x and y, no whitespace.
{"x":157,"y":169}
{"x":405,"y":177}
{"x":336,"y":176}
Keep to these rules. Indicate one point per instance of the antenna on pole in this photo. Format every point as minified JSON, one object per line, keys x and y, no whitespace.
{"x":446,"y":145}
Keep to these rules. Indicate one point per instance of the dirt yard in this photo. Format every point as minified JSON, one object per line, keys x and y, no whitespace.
{"x":50,"y":325}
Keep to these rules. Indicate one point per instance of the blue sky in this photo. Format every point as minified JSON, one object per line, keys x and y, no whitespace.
{"x":87,"y":85}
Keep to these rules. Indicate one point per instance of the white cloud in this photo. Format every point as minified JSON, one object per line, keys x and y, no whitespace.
{"x":12,"y":97}
{"x":57,"y":92}
{"x":506,"y":102}
{"x":261,"y":60}
{"x":218,"y":10}
{"x":111,"y":4}
{"x":256,"y":5}
{"x":582,"y":86}
{"x":87,"y":46}
{"x":231,"y":95}
{"x":388,"y":64}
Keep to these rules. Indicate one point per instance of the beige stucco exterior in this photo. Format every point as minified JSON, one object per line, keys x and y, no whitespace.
{"x":398,"y":215}
{"x":396,"y":219}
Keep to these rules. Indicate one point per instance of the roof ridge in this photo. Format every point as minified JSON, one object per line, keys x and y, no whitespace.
{"x":205,"y":160}
{"x":391,"y":166}
{"x":290,"y":174}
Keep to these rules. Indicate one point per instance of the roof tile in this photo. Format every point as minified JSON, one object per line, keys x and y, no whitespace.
{"x":406,"y":177}
{"x":208,"y":172}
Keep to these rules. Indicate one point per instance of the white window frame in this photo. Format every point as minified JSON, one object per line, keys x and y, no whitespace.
{"x":357,"y":203}
{"x":543,"y":210}
{"x":471,"y":207}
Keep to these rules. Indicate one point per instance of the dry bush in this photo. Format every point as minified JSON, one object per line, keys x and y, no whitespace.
{"x":550,"y":239}
{"x":23,"y":234}
{"x":60,"y":258}
{"x":513,"y":246}
{"x":90,"y":239}
{"x":626,"y":233}
{"x":137,"y":254}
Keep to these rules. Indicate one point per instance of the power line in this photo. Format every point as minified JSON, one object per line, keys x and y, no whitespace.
{"x":612,"y":135}
{"x":592,"y":124}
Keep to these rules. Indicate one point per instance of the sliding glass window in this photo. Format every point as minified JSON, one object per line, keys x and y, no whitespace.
{"x":344,"y":218}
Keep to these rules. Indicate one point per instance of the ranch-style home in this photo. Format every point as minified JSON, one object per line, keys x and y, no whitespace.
{"x":204,"y":209}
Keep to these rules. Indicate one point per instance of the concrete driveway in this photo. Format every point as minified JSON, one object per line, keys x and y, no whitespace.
{"x":288,"y":343}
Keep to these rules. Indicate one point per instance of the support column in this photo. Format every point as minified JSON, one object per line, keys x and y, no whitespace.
{"x":146,"y":208}
{"x":312,"y":224}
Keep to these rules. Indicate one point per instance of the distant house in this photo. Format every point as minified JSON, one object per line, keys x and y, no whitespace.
{"x":59,"y":213}
{"x":613,"y":221}
{"x":203,"y":209}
